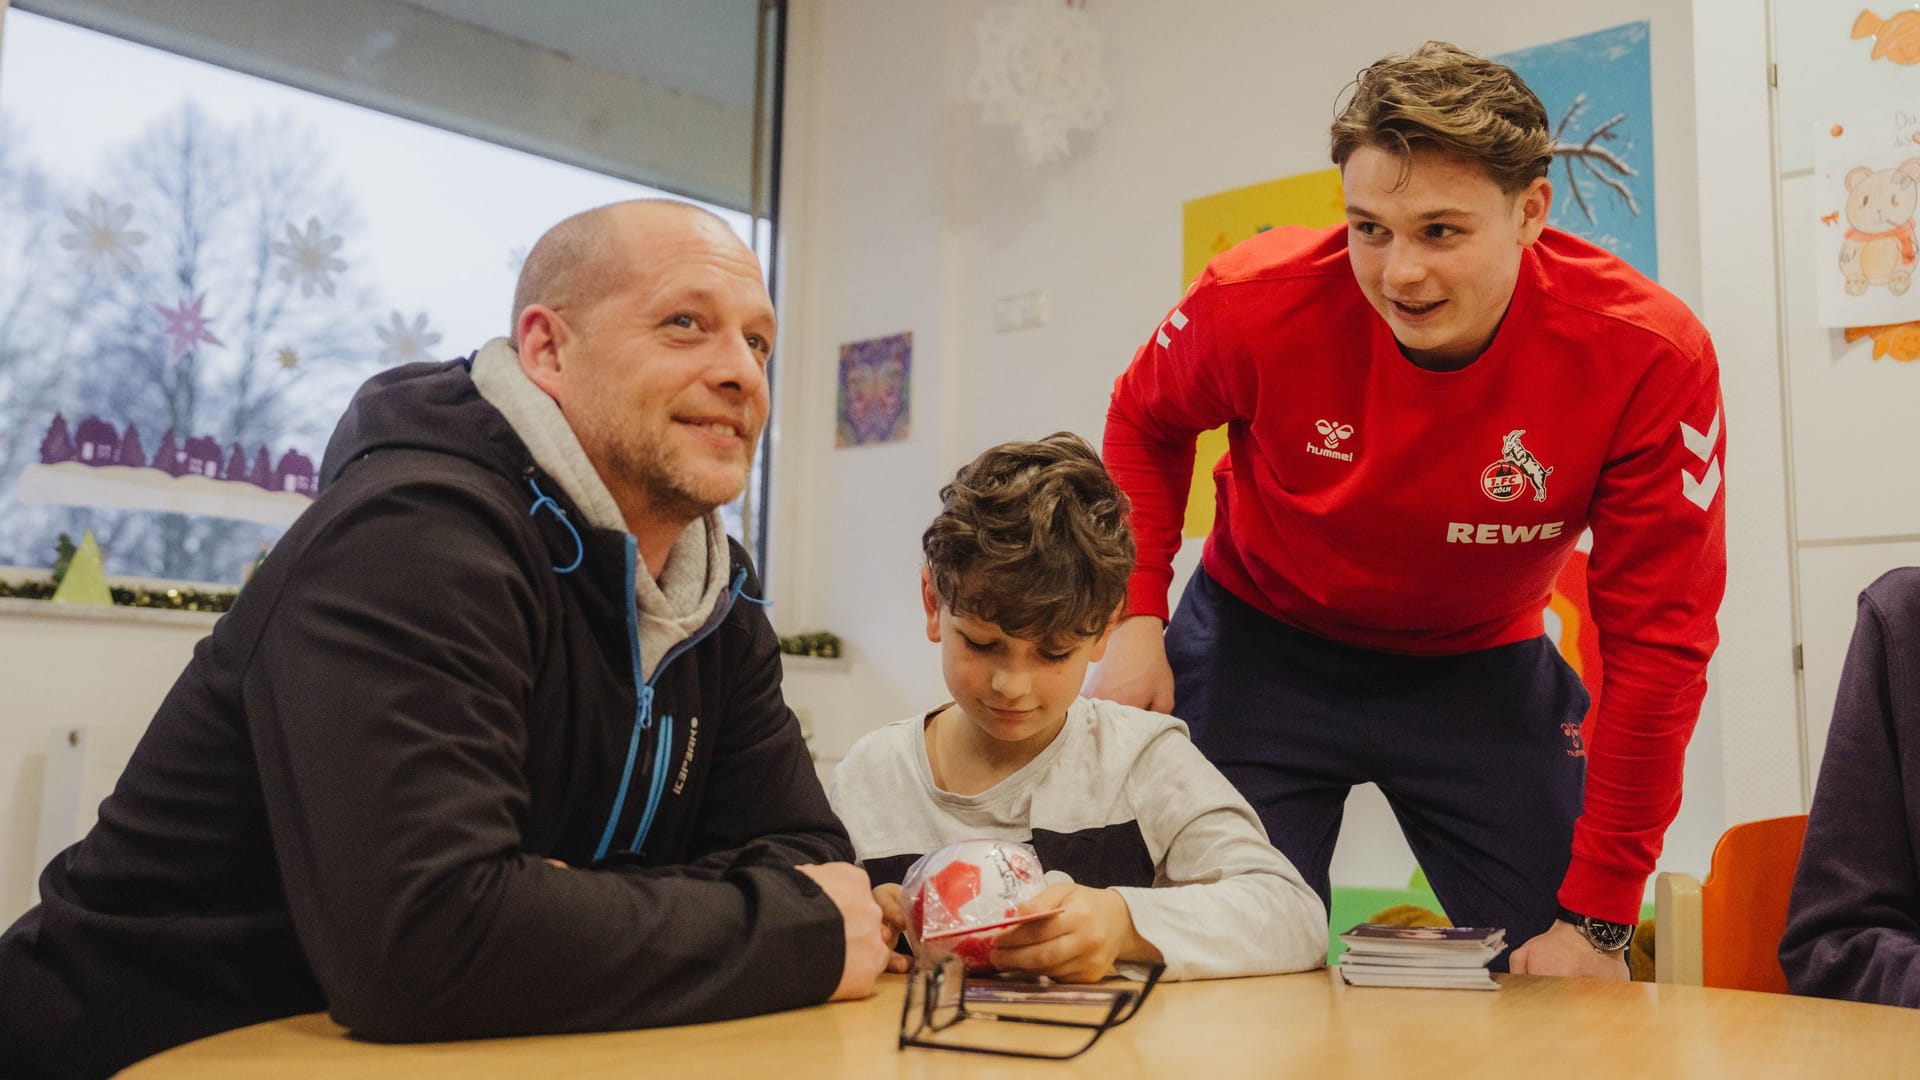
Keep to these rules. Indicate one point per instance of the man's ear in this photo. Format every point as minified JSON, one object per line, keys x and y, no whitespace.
{"x":1536,"y":204}
{"x":930,"y":600}
{"x":542,"y":333}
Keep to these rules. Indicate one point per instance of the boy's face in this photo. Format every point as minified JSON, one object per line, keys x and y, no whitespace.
{"x":1438,"y":256}
{"x":1009,"y":688}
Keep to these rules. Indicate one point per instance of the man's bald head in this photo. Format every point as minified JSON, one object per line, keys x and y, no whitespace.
{"x":576,"y":261}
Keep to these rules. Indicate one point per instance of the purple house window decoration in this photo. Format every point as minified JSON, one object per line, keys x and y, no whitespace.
{"x":96,"y":441}
{"x":58,"y":445}
{"x":295,"y":474}
{"x":203,"y":457}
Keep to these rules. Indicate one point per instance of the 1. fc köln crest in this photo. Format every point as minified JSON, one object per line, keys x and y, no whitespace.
{"x":1517,"y":470}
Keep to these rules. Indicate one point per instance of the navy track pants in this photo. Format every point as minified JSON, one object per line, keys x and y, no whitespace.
{"x":1477,"y":753}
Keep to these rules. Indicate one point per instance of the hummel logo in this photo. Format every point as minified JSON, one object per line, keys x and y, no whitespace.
{"x":1178,"y":320}
{"x":1334,"y":431}
{"x":1700,"y":444}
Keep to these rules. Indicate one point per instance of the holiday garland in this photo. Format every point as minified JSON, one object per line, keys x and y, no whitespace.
{"x":164,"y":599}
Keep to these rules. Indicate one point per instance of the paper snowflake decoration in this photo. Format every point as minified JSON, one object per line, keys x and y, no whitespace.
{"x":186,"y":327}
{"x":310,"y":258}
{"x":406,"y":342}
{"x":1040,"y":71}
{"x":100,"y":235}
{"x":288,"y":359}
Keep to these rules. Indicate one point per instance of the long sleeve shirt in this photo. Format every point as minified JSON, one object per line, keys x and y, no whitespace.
{"x":1383,"y":505}
{"x":1120,"y":799}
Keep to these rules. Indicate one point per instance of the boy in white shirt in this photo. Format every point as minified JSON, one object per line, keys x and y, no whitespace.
{"x":1152,"y":856}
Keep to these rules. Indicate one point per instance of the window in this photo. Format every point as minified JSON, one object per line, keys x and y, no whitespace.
{"x":198,"y":267}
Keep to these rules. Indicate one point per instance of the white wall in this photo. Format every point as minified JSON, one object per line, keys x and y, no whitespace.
{"x":905,"y":213}
{"x":62,"y":668}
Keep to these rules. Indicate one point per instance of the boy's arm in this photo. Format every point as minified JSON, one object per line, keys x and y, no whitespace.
{"x":1233,"y":905}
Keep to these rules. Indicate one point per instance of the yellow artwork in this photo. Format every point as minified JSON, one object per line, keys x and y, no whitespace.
{"x":1898,"y":340}
{"x":1210,"y":225}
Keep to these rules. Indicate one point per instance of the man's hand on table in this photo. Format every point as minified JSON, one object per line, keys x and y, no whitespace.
{"x":867,"y":951}
{"x":1563,"y":951}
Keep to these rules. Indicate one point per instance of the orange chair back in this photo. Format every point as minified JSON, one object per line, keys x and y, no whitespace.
{"x":1743,"y":904}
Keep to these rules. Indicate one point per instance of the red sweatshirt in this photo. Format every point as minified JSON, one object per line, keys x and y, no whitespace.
{"x":1390,"y":507}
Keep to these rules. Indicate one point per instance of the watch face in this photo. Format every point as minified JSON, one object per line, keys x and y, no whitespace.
{"x":1607,"y":936}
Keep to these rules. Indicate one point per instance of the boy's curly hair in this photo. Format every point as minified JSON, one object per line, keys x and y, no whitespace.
{"x":1033,"y":537}
{"x":1443,"y":96}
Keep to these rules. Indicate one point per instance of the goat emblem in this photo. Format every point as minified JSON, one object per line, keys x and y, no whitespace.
{"x":1334,"y":432}
{"x":1515,"y":453}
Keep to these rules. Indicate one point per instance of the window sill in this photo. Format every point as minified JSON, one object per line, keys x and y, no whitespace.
{"x":113,"y":613}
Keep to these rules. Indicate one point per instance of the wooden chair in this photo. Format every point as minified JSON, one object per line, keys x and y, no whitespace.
{"x":1726,"y":932}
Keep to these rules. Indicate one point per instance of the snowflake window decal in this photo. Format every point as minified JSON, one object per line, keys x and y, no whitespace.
{"x":404,"y":342}
{"x":100,"y":234}
{"x":1040,"y":71}
{"x":310,"y":258}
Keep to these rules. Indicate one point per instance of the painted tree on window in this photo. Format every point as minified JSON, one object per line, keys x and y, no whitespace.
{"x":159,"y":297}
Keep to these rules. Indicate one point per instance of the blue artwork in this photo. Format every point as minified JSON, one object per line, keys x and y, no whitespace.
{"x":1598,"y":90}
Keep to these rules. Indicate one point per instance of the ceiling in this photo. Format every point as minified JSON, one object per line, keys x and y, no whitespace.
{"x":702,"y":48}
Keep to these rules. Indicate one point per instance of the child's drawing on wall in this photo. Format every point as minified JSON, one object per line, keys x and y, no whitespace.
{"x":1878,"y":249}
{"x":1865,"y":193}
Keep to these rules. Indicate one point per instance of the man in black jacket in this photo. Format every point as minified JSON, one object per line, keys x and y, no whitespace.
{"x":493,"y":743}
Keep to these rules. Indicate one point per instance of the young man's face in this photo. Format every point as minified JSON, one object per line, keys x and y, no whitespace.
{"x":1438,"y":256}
{"x":1011,"y":689}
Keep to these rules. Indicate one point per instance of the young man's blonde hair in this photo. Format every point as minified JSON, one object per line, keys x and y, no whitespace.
{"x":1443,"y":96}
{"x":1033,"y":537}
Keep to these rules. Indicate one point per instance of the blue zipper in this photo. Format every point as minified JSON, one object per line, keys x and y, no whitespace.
{"x":643,"y":716}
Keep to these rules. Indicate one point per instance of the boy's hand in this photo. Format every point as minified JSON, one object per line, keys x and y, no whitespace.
{"x":1134,"y":670}
{"x":866,"y":954}
{"x":1091,"y":929}
{"x":893,"y":923}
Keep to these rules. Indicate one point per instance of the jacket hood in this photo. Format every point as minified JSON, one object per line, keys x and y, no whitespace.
{"x":424,"y":406}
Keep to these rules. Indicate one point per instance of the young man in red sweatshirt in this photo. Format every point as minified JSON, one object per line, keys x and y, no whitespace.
{"x":1425,"y":408}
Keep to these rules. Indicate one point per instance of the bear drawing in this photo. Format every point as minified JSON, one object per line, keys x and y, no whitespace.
{"x":1878,"y":249}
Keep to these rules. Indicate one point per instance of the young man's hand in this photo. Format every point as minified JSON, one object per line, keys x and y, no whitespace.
{"x":1090,"y":930}
{"x":893,"y":923}
{"x":1134,"y":670}
{"x":866,"y":952}
{"x":1562,"y":950}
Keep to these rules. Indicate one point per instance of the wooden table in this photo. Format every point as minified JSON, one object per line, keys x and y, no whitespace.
{"x":1287,"y":1025}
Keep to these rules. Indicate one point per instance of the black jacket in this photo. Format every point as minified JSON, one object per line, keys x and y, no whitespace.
{"x":346,"y":800}
{"x":1853,"y":925}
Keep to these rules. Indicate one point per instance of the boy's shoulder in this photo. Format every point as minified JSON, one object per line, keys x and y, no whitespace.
{"x":1127,"y":721}
{"x":1126,"y":734}
{"x":888,"y":737}
{"x":887,"y":750}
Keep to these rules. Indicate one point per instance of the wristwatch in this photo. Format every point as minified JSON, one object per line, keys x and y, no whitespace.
{"x":1605,"y":937}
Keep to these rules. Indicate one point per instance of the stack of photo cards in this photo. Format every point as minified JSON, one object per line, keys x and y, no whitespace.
{"x":1440,"y":957}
